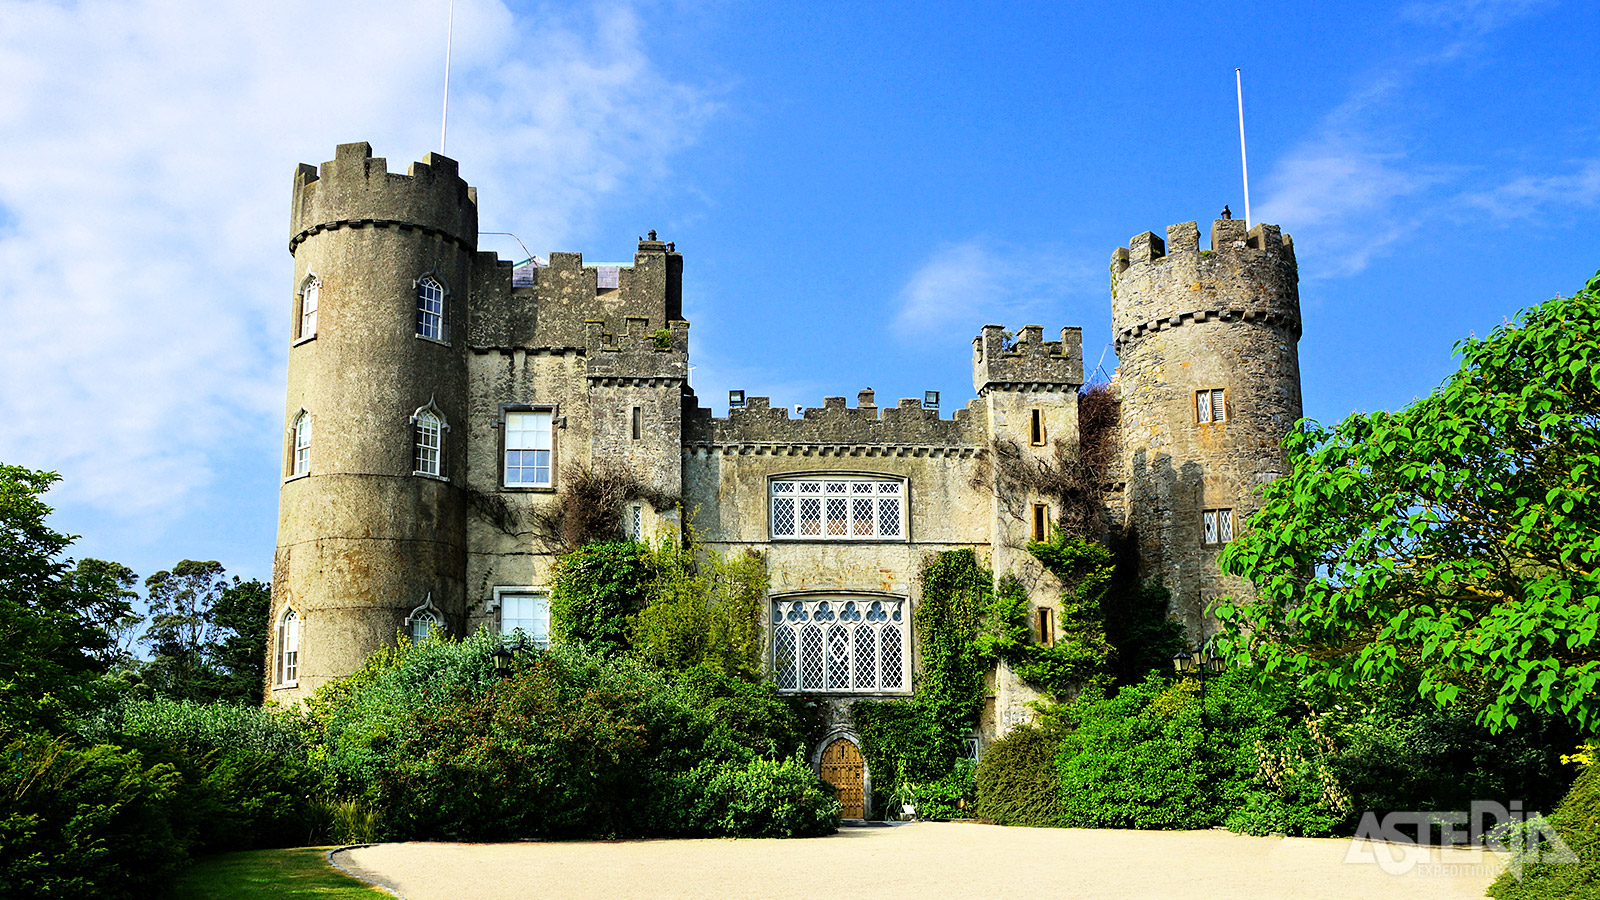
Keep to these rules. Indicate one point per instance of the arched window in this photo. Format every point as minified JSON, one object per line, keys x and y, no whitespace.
{"x":840,"y":644}
{"x":288,"y":666}
{"x":310,"y":292}
{"x":428,"y":437}
{"x":422,"y":623}
{"x":430,"y":309}
{"x":300,"y":444}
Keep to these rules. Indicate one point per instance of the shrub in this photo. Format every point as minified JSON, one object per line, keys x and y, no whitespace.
{"x":593,"y":592}
{"x":952,"y":797}
{"x":85,"y":821}
{"x":1141,"y":759}
{"x":1017,"y":783}
{"x":702,"y":608}
{"x":1577,"y":821}
{"x":200,"y":728}
{"x":763,"y":798}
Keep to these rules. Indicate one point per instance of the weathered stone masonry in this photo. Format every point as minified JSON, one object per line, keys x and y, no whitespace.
{"x":364,"y":541}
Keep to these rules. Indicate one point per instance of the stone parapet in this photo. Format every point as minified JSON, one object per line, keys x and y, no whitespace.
{"x":1026,"y":361}
{"x":759,"y":424}
{"x":355,"y":190}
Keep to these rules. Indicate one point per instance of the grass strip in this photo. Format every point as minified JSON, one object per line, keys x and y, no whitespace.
{"x":300,"y":872}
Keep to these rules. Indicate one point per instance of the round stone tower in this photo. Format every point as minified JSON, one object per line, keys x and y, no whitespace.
{"x":371,"y":522}
{"x":1210,"y":384}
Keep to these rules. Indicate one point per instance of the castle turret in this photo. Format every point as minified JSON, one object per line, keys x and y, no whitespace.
{"x":1210,"y":384}
{"x":371,"y":533}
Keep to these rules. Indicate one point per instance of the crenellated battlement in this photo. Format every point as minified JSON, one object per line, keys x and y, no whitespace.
{"x":356,"y":190}
{"x":1026,"y":361}
{"x":637,"y":352}
{"x":1161,"y":283}
{"x":833,"y":424}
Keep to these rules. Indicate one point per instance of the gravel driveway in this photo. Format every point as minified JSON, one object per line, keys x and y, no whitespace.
{"x":918,"y":861}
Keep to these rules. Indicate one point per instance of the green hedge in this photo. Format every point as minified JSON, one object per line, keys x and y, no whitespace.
{"x":1017,"y":781}
{"x":1577,"y":821}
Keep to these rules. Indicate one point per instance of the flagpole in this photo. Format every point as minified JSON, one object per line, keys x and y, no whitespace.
{"x":1238,"y":84}
{"x":444,"y":118}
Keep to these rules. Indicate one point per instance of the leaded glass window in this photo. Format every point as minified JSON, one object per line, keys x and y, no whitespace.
{"x":838,"y":508}
{"x":839,"y":645}
{"x":1218,"y":525}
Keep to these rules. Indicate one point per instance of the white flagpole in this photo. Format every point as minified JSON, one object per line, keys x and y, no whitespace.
{"x":1238,"y":84}
{"x":444,"y":118}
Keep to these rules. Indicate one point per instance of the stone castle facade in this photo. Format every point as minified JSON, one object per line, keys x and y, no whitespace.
{"x":438,"y":395}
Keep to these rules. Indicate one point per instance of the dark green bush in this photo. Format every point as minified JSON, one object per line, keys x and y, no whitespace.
{"x":763,"y":798}
{"x":85,"y":821}
{"x":1577,"y":821}
{"x":1017,"y":782}
{"x":1141,"y":759}
{"x":952,"y":797}
{"x":594,"y":590}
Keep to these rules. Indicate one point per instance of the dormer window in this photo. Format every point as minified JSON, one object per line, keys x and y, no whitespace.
{"x":430,"y":309}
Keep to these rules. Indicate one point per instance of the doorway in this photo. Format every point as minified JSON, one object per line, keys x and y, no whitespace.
{"x":841,"y":766}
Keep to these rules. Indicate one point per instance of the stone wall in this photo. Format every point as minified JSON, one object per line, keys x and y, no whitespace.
{"x":1187,"y":320}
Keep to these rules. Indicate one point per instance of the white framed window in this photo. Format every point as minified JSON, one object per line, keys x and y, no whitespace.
{"x":527,"y":612}
{"x":838,"y":507}
{"x":300,"y":444}
{"x":310,"y":293}
{"x":528,"y":449}
{"x":428,"y":430}
{"x":423,"y":623}
{"x":1210,"y":406}
{"x":1218,"y":525}
{"x":288,"y":662}
{"x":840,"y":645}
{"x":430,"y":309}
{"x":636,"y":522}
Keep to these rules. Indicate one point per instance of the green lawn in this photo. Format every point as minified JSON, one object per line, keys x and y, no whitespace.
{"x":271,"y":875}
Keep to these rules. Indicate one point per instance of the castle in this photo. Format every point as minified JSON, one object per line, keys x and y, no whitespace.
{"x":437,"y":393}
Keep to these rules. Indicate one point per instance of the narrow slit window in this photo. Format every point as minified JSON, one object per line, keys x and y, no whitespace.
{"x":1047,"y":627}
{"x":1210,"y":406}
{"x":1036,"y":428}
{"x":638,"y":423}
{"x":1041,"y":522}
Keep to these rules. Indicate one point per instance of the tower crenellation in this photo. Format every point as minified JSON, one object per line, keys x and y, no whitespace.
{"x":356,"y":190}
{"x":1209,"y":383}
{"x":1001,"y":360}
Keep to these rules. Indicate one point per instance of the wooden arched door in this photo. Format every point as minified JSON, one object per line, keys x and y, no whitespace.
{"x":842,"y":767}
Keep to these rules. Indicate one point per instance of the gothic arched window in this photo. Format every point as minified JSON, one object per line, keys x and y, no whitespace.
{"x":310,"y":293}
{"x":428,"y":428}
{"x":288,"y":662}
{"x":300,"y":444}
{"x":430,"y":309}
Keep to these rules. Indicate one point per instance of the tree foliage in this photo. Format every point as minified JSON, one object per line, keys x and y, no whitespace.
{"x":1454,"y":543}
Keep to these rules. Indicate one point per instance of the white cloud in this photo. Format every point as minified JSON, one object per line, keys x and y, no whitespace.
{"x":979,"y":281}
{"x":1529,"y":196}
{"x":144,"y":204}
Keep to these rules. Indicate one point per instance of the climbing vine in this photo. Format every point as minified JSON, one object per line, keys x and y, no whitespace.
{"x":920,"y":740}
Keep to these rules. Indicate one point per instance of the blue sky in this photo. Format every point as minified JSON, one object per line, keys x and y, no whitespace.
{"x":856,"y":188}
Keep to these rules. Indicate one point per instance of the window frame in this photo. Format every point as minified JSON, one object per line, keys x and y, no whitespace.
{"x":1039,"y":524}
{"x":1208,"y":402}
{"x":286,"y":662}
{"x":420,"y":311}
{"x":311,"y":284}
{"x":418,"y":429}
{"x":824,"y":496}
{"x":556,"y":423}
{"x":1218,"y":527}
{"x":1036,"y":432}
{"x":301,"y":426}
{"x":896,"y":617}
{"x":1047,"y":626}
{"x":502,"y":593}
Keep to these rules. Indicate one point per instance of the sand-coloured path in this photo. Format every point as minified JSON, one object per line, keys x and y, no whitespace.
{"x":919,"y":861}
